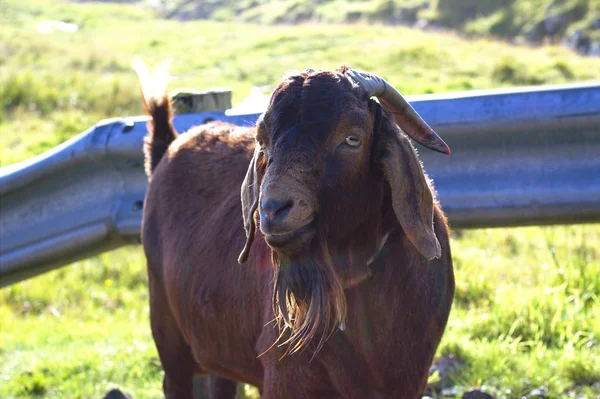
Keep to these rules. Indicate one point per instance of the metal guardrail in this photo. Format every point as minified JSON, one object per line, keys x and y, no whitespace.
{"x":519,"y":157}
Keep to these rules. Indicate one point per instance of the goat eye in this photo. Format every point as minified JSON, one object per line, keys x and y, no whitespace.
{"x":260,"y":143}
{"x":353,"y":141}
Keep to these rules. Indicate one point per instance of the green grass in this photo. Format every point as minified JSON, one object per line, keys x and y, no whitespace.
{"x":53,"y":86}
{"x":506,"y":18}
{"x":80,"y":331}
{"x":527,"y":310}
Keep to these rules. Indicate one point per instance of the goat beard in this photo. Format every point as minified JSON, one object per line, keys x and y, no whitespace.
{"x":308,"y":298}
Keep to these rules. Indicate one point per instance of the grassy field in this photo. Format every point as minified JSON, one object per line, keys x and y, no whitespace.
{"x":527,"y":310}
{"x":506,"y":18}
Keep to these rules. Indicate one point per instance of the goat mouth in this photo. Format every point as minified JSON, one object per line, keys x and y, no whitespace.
{"x":280,"y":240}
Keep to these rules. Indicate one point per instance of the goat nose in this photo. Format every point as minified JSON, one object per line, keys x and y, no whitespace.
{"x":275,"y":209}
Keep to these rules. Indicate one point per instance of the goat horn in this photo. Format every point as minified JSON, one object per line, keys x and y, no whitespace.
{"x":405,"y":115}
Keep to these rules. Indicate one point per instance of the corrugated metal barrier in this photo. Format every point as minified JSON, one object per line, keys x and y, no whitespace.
{"x":519,"y":157}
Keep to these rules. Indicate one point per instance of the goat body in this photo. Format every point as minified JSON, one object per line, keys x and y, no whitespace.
{"x":211,"y":315}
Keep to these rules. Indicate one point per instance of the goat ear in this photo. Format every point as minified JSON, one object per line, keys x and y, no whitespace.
{"x":412,"y":198}
{"x":250,"y":193}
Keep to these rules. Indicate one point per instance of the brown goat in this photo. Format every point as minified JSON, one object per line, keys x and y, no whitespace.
{"x":349,"y":283}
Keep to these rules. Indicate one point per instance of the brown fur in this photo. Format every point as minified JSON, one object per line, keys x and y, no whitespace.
{"x":351,"y":329}
{"x":161,"y":132}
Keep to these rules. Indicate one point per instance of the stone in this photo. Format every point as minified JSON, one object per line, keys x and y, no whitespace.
{"x":116,"y":394}
{"x":539,"y":393}
{"x":476,"y":394}
{"x":451,"y":392}
{"x":445,"y":367}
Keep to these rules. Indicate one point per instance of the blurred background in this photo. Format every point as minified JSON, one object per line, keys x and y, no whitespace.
{"x":526,"y":319}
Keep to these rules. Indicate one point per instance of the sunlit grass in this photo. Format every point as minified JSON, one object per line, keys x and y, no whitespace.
{"x":55,"y":85}
{"x":527,"y":309}
{"x":521,"y":320}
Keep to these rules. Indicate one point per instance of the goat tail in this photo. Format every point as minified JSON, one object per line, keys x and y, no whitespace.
{"x":161,"y":132}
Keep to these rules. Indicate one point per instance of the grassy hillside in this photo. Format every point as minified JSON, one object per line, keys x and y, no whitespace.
{"x":517,"y":14}
{"x":527,"y":310}
{"x":505,"y":18}
{"x":55,"y":85}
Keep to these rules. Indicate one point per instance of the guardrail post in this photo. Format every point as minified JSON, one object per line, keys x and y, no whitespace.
{"x":190,"y":101}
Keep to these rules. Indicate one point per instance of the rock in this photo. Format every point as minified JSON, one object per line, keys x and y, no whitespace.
{"x":408,"y":15}
{"x":476,"y":394}
{"x":536,"y":33}
{"x":580,"y":42}
{"x":595,"y":49}
{"x":116,"y":394}
{"x":445,"y":367}
{"x":452,"y":392}
{"x":539,"y":393}
{"x":421,"y":24}
{"x":50,"y":26}
{"x":553,"y":25}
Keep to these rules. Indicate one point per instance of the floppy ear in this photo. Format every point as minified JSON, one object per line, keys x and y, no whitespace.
{"x":412,"y":199}
{"x":250,"y":193}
